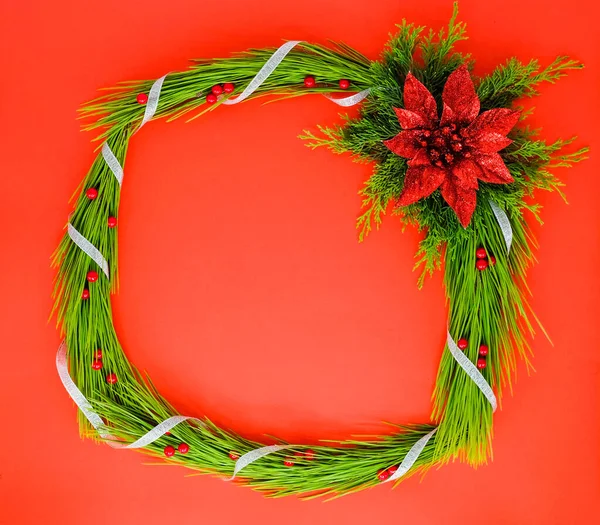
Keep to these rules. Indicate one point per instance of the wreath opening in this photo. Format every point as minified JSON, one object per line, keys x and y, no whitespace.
{"x":452,"y":155}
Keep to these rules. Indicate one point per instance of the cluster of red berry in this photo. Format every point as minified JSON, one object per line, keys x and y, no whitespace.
{"x":385,"y":473}
{"x":289,"y":461}
{"x":310,"y":82}
{"x":483,"y":352}
{"x":217,"y":90}
{"x":182,"y":448}
{"x":482,"y":259}
{"x":92,"y":194}
{"x":97,"y":364}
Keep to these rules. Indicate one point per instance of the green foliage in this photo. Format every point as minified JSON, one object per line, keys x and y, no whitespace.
{"x":485,"y":307}
{"x":432,"y":59}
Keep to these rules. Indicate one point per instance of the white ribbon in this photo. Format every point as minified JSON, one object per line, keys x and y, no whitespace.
{"x":112,"y":162}
{"x":76,"y":394}
{"x":411,"y":456}
{"x":264,"y":72}
{"x":271,"y":64}
{"x":96,"y":421}
{"x":350,"y":100}
{"x":88,"y":248}
{"x":472,"y":372}
{"x":253,"y":455}
{"x":152,"y":104}
{"x":504,"y":223}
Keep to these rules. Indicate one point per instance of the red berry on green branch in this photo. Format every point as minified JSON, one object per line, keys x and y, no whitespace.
{"x":234,"y":456}
{"x":217,"y":90}
{"x":169,"y":451}
{"x":98,"y":354}
{"x":309,"y":454}
{"x":85,"y":294}
{"x":97,"y":365}
{"x":142,"y":98}
{"x":211,"y":98}
{"x":492,"y":260}
{"x":167,"y":433}
{"x":481,"y":264}
{"x":344,"y":84}
{"x":383,"y":474}
{"x":483,"y":350}
{"x":91,"y":193}
{"x":462,"y":343}
{"x":112,"y":222}
{"x":111,"y":378}
{"x":92,"y":276}
{"x":228,"y":87}
{"x":392,"y":470}
{"x":480,"y":253}
{"x":309,"y":82}
{"x":288,"y":462}
{"x":481,"y":363}
{"x":183,"y":448}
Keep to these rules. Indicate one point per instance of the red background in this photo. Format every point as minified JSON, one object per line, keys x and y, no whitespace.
{"x":244,"y":292}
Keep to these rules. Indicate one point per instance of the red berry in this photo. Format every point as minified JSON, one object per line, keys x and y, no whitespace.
{"x":483,"y":350}
{"x":217,"y":90}
{"x":85,"y":294}
{"x":169,"y":451}
{"x":97,"y":365}
{"x":98,"y":354}
{"x":383,"y":474}
{"x":111,"y":378}
{"x":392,"y":470}
{"x":234,"y":456}
{"x":288,"y":462}
{"x":344,"y":84}
{"x":211,"y":98}
{"x":481,"y":264}
{"x":167,"y":433}
{"x":481,"y":364}
{"x":480,"y":253}
{"x":228,"y":87}
{"x":112,"y":222}
{"x":184,"y":448}
{"x":309,"y":82}
{"x":309,"y":454}
{"x":493,"y":260}
{"x":298,"y":454}
{"x":91,"y":193}
{"x":92,"y":276}
{"x":142,"y":98}
{"x":462,"y":343}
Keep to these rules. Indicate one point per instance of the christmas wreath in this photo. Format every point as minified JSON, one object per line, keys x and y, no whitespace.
{"x":451,"y":154}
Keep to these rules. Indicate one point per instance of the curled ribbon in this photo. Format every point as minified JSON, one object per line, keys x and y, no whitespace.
{"x":411,"y":456}
{"x":504,"y":223}
{"x":264,"y":72}
{"x":472,"y":372}
{"x":96,"y":421}
{"x":88,"y":248}
{"x":350,"y":100}
{"x":152,"y":104}
{"x":250,"y":457}
{"x":112,"y":162}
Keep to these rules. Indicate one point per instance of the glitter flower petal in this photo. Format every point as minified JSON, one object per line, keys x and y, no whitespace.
{"x":452,"y":153}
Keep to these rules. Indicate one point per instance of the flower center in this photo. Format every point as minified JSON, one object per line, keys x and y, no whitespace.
{"x":444,"y":145}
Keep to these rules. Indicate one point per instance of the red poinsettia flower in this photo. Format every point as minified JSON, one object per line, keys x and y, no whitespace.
{"x":454,"y":152}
